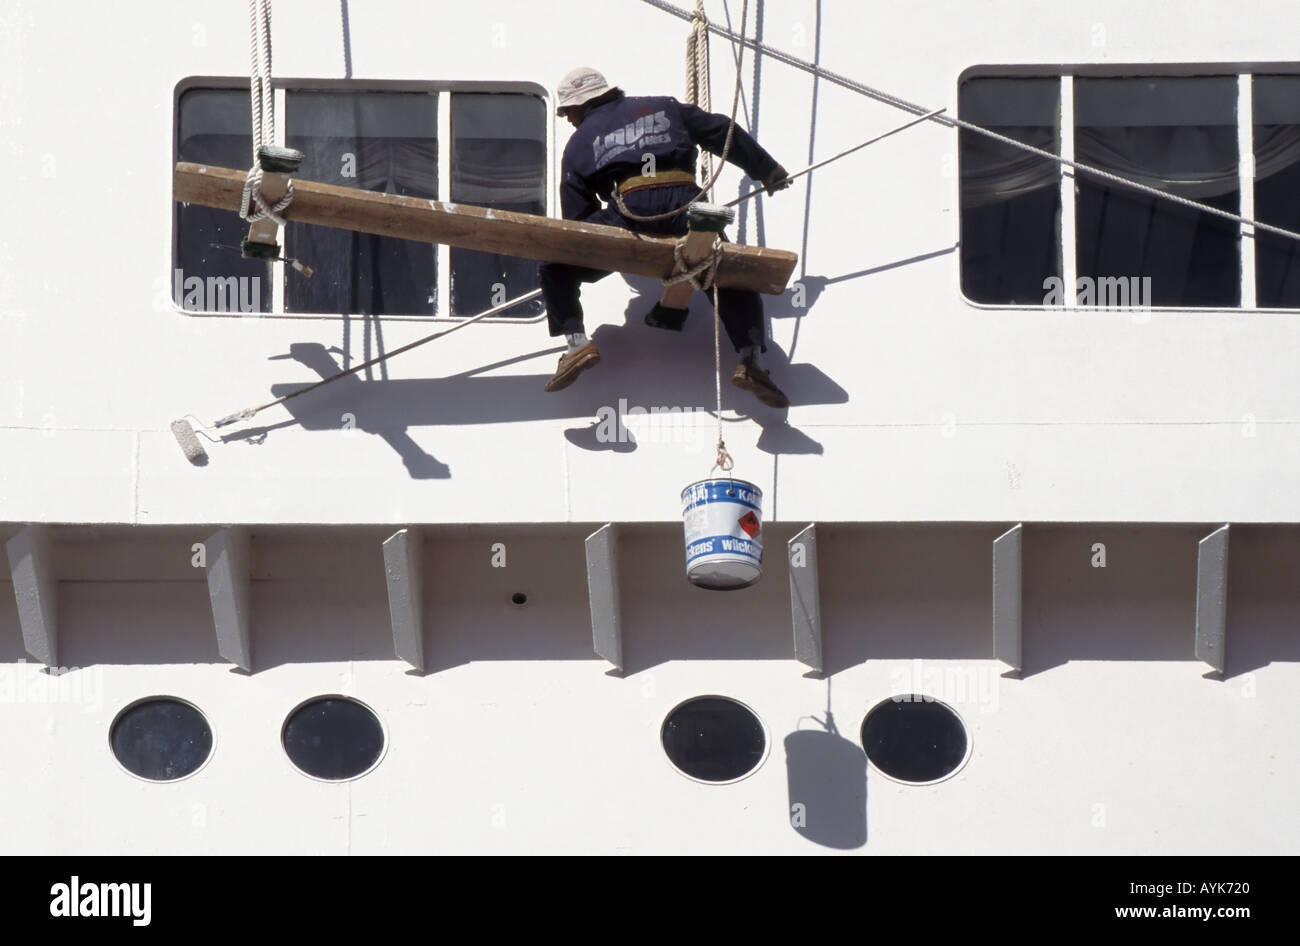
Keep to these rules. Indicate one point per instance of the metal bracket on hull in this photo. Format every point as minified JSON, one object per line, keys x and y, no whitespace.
{"x":403,"y":561}
{"x":805,"y":598}
{"x":1007,"y":560}
{"x":228,"y":557}
{"x":602,"y":592}
{"x":1212,"y":598}
{"x":31,"y":566}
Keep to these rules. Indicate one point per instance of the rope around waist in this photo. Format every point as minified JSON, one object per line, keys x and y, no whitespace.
{"x":660,"y":179}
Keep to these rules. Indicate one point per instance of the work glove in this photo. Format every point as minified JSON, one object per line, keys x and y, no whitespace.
{"x":778,"y":180}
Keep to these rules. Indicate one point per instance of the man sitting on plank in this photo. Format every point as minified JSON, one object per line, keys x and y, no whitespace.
{"x":617,"y":138}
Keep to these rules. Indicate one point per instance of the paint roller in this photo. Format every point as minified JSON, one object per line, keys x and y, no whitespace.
{"x":188,"y":437}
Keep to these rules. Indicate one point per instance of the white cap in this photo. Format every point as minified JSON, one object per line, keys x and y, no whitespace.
{"x":578,"y":86}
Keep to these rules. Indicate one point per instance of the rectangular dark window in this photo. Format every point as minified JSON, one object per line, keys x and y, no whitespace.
{"x":1010,"y":199}
{"x":1178,"y":135}
{"x":208,"y":272}
{"x":498,"y":160}
{"x":1276,"y":123}
{"x":379,"y":141}
{"x":387,"y":141}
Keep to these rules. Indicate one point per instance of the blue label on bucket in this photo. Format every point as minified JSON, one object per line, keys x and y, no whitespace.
{"x":723,"y":545}
{"x":723,"y":523}
{"x":721,"y":491}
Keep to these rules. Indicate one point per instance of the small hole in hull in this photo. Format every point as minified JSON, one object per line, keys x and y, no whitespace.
{"x":519,"y":598}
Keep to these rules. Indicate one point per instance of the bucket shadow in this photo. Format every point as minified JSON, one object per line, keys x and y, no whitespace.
{"x":826,"y":781}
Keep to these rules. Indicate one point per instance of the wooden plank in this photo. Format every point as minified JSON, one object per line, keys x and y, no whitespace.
{"x":494,"y":231}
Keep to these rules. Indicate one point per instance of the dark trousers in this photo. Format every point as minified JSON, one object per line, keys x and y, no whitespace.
{"x":741,"y":310}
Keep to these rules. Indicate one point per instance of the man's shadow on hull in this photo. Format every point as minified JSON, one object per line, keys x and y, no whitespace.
{"x":640,"y":367}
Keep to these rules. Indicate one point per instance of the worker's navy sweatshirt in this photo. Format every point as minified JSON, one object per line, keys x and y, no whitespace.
{"x":611,"y":144}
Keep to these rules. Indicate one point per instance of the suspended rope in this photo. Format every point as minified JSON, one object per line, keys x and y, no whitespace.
{"x":697,"y":59}
{"x":699,"y":90}
{"x":263,"y":115}
{"x":700,"y":37}
{"x":899,"y":103}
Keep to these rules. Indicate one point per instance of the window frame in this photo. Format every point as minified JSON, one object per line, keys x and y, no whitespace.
{"x":1067,"y":234}
{"x":440,"y":87}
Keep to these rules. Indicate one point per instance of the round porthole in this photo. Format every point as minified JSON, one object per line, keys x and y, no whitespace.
{"x":161,"y":739}
{"x":714,"y":739}
{"x":915,"y":740}
{"x":333,"y":738}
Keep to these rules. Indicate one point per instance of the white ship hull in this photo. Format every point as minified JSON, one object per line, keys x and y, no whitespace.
{"x":924,"y":428}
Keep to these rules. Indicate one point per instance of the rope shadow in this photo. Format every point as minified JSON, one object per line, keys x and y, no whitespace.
{"x":796,"y":301}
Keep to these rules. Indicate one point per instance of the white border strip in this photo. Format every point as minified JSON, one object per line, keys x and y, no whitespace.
{"x":442,"y":252}
{"x":277,"y":268}
{"x":1069,"y":258}
{"x":1246,"y":182}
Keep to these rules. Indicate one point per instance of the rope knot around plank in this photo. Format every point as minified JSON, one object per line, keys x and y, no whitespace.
{"x":253,"y":197}
{"x":702,"y":274}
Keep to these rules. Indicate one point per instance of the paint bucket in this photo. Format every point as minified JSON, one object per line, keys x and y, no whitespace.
{"x":723,"y":519}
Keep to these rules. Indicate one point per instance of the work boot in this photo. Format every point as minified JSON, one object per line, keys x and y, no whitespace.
{"x":756,"y":381}
{"x":662,"y":316}
{"x":573,"y":364}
